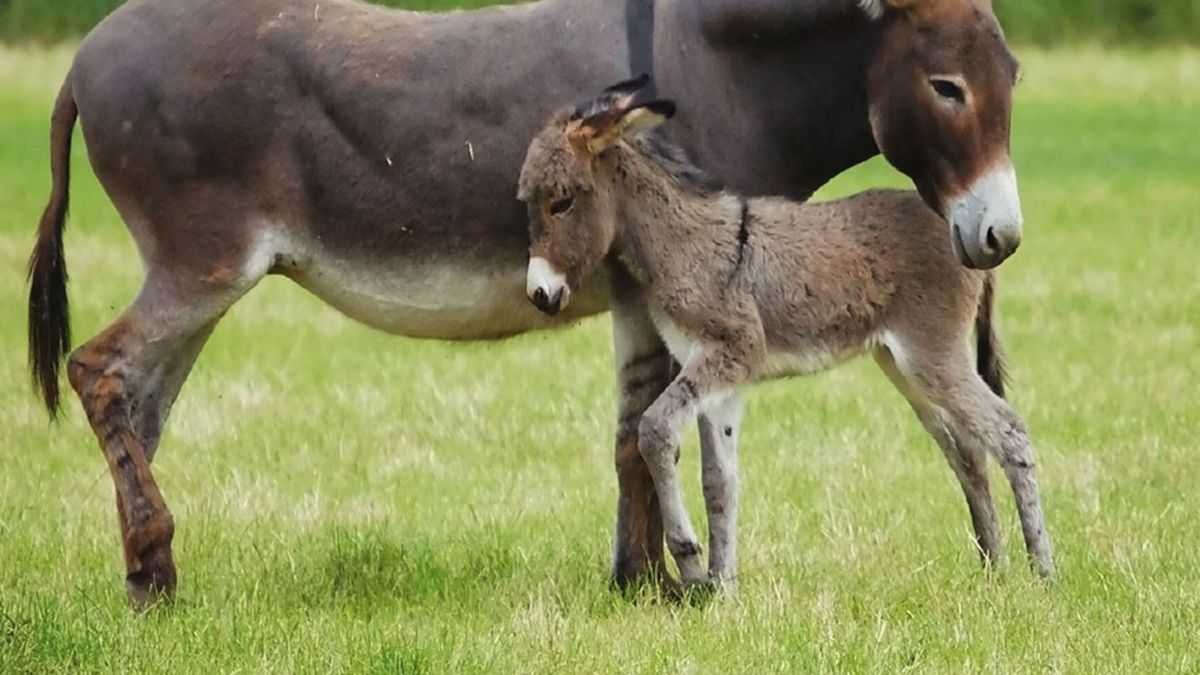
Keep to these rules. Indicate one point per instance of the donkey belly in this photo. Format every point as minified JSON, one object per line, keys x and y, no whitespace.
{"x":459,"y":299}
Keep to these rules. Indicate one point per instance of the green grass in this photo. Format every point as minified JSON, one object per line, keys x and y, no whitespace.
{"x":352,"y":502}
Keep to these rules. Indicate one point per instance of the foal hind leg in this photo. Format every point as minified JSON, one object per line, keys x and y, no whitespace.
{"x":982,"y":420}
{"x":127,"y":379}
{"x":1006,"y":435}
{"x":968,"y":461}
{"x":987,"y":422}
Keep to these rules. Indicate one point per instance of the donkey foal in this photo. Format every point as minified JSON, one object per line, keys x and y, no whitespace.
{"x":744,"y":290}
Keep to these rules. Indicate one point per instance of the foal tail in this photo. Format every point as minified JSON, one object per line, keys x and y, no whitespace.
{"x":49,"y":317}
{"x":989,"y":353}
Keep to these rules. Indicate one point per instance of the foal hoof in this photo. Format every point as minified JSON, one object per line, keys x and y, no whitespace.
{"x":154,"y":583}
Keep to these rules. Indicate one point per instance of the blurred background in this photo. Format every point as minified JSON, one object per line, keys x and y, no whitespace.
{"x":1043,"y":22}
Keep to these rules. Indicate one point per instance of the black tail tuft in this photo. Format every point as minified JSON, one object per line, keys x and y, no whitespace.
{"x":989,"y":353}
{"x":49,"y":316}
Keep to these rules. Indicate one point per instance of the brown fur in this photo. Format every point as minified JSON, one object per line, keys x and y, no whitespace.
{"x":747,"y":290}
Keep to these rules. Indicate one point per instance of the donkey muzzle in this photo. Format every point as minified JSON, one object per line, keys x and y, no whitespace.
{"x":546,"y":287}
{"x":986,"y":222}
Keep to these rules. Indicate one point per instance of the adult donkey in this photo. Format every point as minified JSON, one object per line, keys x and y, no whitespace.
{"x":372,"y":155}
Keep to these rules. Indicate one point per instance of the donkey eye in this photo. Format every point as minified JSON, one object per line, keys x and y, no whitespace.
{"x":949,"y":89}
{"x":561,"y":206}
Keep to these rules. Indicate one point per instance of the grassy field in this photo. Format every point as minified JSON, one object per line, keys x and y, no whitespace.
{"x":352,"y":502}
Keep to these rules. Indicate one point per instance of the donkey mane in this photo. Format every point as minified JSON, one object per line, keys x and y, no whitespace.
{"x":654,"y":146}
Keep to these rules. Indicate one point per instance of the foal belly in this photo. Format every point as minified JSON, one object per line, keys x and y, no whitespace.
{"x":441,"y":300}
{"x":811,"y":360}
{"x":807,"y":358}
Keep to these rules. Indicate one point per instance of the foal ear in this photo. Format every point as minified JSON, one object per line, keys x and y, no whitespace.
{"x":618,"y":97}
{"x":645,"y":116}
{"x":603,"y":130}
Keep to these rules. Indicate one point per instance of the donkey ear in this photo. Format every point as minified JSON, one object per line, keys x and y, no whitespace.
{"x":602,"y":131}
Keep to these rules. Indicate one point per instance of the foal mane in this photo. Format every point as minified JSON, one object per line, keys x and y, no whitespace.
{"x":655,"y":146}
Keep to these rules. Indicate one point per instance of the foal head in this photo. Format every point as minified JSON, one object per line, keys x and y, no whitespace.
{"x":567,"y":186}
{"x":940,"y":96}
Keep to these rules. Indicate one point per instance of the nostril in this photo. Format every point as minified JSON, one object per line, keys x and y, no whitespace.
{"x":993,"y":242}
{"x":540,"y":298}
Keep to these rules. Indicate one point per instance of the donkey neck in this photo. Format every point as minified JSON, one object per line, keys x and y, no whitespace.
{"x":776,"y":109}
{"x":667,"y":226}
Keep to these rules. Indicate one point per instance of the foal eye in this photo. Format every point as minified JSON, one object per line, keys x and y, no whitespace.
{"x":949,"y":89}
{"x":561,"y":206}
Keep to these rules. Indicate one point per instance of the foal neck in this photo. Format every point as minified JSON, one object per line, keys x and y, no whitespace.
{"x":671,"y":220}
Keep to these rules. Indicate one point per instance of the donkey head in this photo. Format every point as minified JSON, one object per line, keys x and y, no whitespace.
{"x":567,"y":188}
{"x":940,"y":96}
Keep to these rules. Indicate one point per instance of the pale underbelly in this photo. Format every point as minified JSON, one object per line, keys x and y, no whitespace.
{"x":448,"y":300}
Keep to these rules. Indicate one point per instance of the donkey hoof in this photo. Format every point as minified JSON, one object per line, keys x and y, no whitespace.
{"x":630,"y":572}
{"x":154,"y":583}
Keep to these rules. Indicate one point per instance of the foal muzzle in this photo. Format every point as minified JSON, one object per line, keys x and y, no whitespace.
{"x":547,"y":287}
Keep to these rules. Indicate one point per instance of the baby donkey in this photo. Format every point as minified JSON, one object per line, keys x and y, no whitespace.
{"x":744,"y":290}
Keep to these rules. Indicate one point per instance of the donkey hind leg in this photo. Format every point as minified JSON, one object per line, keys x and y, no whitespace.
{"x":643,"y":372}
{"x":127,"y":379}
{"x":967,"y":460}
{"x":720,"y":428}
{"x":658,"y":437}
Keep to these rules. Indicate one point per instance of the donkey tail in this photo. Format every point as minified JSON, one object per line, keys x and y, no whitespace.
{"x":989,"y":353}
{"x":49,"y":316}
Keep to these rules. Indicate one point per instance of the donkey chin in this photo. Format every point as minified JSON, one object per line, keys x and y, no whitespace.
{"x":546,"y":287}
{"x":986,"y":221}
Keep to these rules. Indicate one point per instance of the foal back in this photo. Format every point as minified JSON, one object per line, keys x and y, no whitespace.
{"x":831,"y":280}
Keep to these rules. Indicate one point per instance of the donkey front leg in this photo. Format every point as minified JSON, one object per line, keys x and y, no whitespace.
{"x":643,"y":372}
{"x":720,"y":428}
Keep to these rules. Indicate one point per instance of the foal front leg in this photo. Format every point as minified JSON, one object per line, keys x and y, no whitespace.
{"x":658,"y":439}
{"x":720,"y":429}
